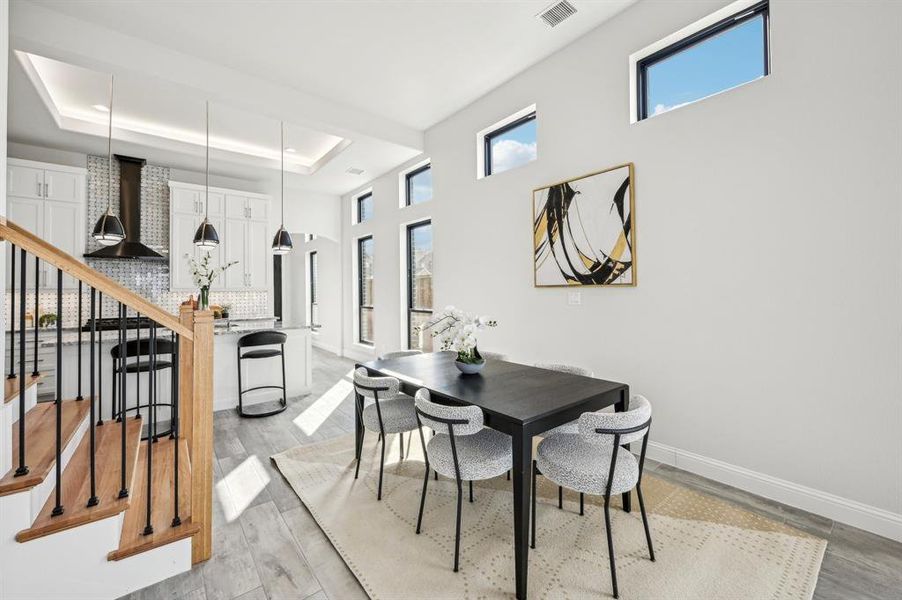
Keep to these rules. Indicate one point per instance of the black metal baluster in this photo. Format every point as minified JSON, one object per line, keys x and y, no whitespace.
{"x":58,"y":509}
{"x":99,"y":358}
{"x":138,"y":382}
{"x":92,"y":501}
{"x":123,"y":363}
{"x":35,"y":371}
{"x":176,"y":423}
{"x":148,"y":528}
{"x":78,"y":358}
{"x":22,"y":469}
{"x":12,"y":314}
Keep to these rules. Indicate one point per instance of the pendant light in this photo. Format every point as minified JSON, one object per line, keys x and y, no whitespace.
{"x":206,"y":236}
{"x":108,"y":231}
{"x":281,"y":243}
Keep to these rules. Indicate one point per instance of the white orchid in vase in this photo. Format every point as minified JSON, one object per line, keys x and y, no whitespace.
{"x":458,"y":331}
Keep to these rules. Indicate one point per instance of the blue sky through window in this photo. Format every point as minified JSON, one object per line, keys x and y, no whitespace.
{"x":728,"y":59}
{"x":421,"y":187}
{"x":514,"y":148}
{"x":364,"y":208}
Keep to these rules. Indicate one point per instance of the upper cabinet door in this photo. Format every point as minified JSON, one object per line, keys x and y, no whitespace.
{"x":216,"y":201}
{"x":258,"y":209}
{"x":235,"y":241}
{"x":63,"y":186}
{"x":181,"y":249}
{"x":27,"y":213}
{"x":25,"y":182}
{"x":185,"y":201}
{"x":235,"y":206}
{"x":64,"y":228}
{"x":258,"y":255}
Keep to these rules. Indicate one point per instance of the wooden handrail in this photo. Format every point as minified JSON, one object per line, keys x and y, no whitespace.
{"x":22,"y":238}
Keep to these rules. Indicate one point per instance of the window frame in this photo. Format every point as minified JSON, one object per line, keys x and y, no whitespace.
{"x":360,"y":305}
{"x":312,"y":276}
{"x":407,"y":182}
{"x":734,"y":20}
{"x":359,"y":200}
{"x":490,"y":135}
{"x":411,"y":309}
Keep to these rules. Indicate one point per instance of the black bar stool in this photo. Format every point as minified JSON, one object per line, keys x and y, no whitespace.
{"x":138,"y":349}
{"x":262,"y":338}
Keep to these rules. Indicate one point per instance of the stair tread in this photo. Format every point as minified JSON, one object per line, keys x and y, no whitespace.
{"x":133,"y":540}
{"x":77,"y":481}
{"x":40,"y":442}
{"x":11,"y":387}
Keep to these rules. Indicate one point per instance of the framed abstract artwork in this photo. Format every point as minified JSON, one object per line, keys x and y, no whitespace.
{"x":584,"y":230}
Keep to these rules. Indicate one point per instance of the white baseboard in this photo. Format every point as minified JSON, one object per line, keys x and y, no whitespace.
{"x":870,"y":518}
{"x":359,"y":353}
{"x":327,"y":347}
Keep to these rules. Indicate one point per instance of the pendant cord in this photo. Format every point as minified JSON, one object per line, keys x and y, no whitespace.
{"x":109,"y":187}
{"x":207,"y":178}
{"x":282,"y":152}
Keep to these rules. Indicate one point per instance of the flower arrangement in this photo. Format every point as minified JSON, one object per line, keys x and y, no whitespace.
{"x":457,"y":331}
{"x":204,"y":275}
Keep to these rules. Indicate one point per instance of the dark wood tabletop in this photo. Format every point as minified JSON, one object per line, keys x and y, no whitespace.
{"x":520,"y":400}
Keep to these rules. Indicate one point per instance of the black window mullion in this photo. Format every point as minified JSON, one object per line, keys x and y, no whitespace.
{"x":411,"y":308}
{"x":487,"y":140}
{"x":408,"y":182}
{"x":361,"y":305}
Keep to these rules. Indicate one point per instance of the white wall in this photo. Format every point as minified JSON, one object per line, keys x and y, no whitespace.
{"x":765,"y":326}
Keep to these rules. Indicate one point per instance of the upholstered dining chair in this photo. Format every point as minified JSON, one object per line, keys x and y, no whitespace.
{"x":591,"y":461}
{"x":389,"y":412}
{"x":462,"y":448}
{"x":572,"y":426}
{"x":399,"y":354}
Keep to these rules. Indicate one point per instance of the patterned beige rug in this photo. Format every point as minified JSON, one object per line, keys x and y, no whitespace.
{"x":705,"y":548}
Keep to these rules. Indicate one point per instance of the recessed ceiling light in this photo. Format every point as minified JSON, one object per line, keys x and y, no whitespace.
{"x":101,"y":108}
{"x":354,"y":171}
{"x":289,"y":149}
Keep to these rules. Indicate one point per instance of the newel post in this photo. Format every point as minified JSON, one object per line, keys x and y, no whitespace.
{"x":196,"y":400}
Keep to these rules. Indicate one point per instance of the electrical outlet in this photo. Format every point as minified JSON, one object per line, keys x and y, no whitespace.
{"x":574,"y":298}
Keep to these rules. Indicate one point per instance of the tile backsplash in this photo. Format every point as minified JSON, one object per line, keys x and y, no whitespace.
{"x":147,"y":278}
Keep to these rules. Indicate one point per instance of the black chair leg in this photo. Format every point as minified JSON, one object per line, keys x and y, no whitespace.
{"x":560,"y":497}
{"x":471,"y":492}
{"x":381,"y":468}
{"x":651,"y":550}
{"x":460,"y":494}
{"x":401,"y":437}
{"x":535,"y":470}
{"x":581,"y":504}
{"x":424,"y":450}
{"x":607,"y":526}
{"x":359,"y":452}
{"x":508,"y":474}
{"x":423,"y":499}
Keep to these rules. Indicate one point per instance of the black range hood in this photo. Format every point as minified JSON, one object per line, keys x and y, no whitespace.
{"x":130,"y":214}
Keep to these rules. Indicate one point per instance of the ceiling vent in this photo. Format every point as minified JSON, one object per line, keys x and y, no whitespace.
{"x":354,"y":171}
{"x":556,"y":13}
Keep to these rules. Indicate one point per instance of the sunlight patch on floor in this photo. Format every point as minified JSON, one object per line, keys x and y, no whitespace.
{"x":237,"y":489}
{"x":317,"y":413}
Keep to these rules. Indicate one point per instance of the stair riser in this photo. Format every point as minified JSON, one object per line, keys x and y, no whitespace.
{"x":76,"y":559}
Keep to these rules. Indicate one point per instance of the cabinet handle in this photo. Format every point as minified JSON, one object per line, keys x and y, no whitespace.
{"x":46,"y":190}
{"x":38,"y":183}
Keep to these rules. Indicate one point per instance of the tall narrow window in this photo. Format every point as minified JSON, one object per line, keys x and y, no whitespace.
{"x":312,"y":273}
{"x":364,"y":207}
{"x":365,"y":289}
{"x":721,"y":56}
{"x":419,"y":284}
{"x":511,"y":145}
{"x":419,"y":185}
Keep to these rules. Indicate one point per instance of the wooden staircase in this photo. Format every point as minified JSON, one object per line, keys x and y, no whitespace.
{"x":68,"y":529}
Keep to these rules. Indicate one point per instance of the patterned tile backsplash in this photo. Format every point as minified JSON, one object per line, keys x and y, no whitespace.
{"x":149,"y":279}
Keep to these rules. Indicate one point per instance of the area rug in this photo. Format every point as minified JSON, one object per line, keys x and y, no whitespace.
{"x":705,"y":547}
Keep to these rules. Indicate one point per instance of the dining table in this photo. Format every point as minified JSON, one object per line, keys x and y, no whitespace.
{"x":522,"y":401}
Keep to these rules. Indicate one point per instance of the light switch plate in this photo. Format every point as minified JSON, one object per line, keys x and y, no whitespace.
{"x":574,"y":298}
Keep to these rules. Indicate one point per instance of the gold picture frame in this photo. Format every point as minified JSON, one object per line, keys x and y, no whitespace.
{"x":602,"y":243}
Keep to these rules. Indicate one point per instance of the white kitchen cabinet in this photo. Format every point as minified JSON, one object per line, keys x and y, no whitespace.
{"x":242,"y":238}
{"x":48,"y":200}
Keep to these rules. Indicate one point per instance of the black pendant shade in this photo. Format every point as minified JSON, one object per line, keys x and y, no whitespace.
{"x":206,"y":236}
{"x":108,"y":231}
{"x":281,"y":243}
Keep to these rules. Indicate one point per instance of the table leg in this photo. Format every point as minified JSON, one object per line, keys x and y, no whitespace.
{"x":358,"y":423}
{"x":522,"y":469}
{"x":623,"y":405}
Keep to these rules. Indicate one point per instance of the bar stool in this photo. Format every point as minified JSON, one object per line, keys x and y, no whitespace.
{"x":120,"y":354}
{"x":262,"y":338}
